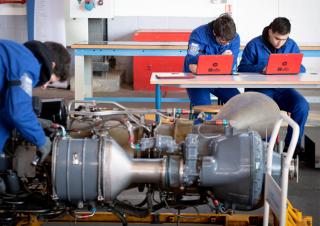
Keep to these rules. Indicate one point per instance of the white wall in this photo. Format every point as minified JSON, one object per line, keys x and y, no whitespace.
{"x":172,"y":8}
{"x":122,"y":28}
{"x":175,"y":8}
{"x":252,"y":16}
{"x":305,"y":19}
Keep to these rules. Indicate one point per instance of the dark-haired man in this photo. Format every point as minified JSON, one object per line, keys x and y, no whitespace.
{"x":219,"y":37}
{"x":23,"y":67}
{"x":275,"y":39}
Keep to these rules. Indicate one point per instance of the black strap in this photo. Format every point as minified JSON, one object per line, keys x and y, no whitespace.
{"x":14,"y":83}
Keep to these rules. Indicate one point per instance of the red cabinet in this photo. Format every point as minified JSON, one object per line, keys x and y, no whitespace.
{"x":144,"y":66}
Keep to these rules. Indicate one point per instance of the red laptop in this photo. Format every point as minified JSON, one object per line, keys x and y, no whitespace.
{"x":288,"y":63}
{"x":215,"y":65}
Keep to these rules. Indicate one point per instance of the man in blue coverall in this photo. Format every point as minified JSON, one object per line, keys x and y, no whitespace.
{"x":275,"y":39}
{"x":219,"y":37}
{"x":23,"y":67}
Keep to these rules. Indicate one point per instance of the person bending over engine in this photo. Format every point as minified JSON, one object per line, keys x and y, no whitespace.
{"x":23,"y":67}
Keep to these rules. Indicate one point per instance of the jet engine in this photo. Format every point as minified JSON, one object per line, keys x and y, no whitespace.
{"x":107,"y":149}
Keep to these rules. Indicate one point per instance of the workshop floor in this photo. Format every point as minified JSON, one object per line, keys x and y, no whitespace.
{"x":304,"y":195}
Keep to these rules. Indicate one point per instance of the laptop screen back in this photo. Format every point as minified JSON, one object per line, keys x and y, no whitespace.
{"x":215,"y":65}
{"x":284,"y":63}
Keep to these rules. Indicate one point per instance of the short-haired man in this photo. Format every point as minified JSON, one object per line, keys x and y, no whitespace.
{"x":275,"y":39}
{"x":219,"y":37}
{"x":23,"y":67}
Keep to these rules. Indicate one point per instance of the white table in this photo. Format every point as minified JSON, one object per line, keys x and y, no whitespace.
{"x":243,"y":80}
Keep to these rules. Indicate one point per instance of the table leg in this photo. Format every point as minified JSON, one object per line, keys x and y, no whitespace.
{"x":158,"y":100}
{"x":83,"y":77}
{"x":158,"y":97}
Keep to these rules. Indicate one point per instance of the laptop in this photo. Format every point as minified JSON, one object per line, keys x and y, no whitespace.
{"x":215,"y":65}
{"x":287,"y":63}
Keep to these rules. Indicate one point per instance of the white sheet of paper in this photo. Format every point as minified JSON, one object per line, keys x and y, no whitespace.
{"x":49,"y":21}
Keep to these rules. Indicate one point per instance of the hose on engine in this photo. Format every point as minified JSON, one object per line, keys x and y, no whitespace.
{"x":98,"y":123}
{"x":130,"y":209}
{"x":123,"y":121}
{"x":120,"y":215}
{"x":135,"y":210}
{"x":85,"y":216}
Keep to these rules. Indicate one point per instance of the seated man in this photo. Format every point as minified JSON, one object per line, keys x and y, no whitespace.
{"x":217,"y":37}
{"x":275,"y":39}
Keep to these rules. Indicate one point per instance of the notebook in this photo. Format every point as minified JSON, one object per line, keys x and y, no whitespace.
{"x":287,"y":63}
{"x":175,"y":75}
{"x":215,"y":65}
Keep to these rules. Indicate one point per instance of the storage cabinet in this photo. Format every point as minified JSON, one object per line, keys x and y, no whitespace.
{"x":143,"y":66}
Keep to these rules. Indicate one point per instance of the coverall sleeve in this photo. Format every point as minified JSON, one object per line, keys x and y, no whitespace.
{"x":235,"y":46}
{"x":195,"y":48}
{"x":249,"y":60}
{"x":20,"y":115}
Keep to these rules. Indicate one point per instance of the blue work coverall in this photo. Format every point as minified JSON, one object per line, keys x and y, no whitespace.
{"x":19,"y":73}
{"x":255,"y":58}
{"x":203,"y":42}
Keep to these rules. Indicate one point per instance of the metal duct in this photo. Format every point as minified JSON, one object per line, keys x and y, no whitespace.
{"x":91,"y":169}
{"x":251,"y":110}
